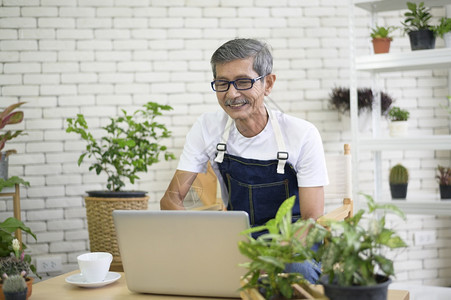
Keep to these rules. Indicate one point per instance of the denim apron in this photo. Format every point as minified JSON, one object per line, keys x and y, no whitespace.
{"x":258,"y":187}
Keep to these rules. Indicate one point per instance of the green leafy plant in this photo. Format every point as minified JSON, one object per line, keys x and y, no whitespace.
{"x":339,"y":99}
{"x":353,"y":251}
{"x":397,"y":114}
{"x":443,"y":175}
{"x":443,"y":27}
{"x":380,"y":32}
{"x":12,"y":181}
{"x":14,"y":284}
{"x":279,"y":245}
{"x":130,"y":145}
{"x":8,"y":117}
{"x":417,"y":18}
{"x":13,"y":260}
{"x":399,"y":174}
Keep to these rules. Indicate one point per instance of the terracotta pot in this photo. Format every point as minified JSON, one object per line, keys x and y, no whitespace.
{"x":381,"y":45}
{"x":29,"y":281}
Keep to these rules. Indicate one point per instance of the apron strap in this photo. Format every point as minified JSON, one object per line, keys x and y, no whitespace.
{"x":222,"y":146}
{"x":282,"y":154}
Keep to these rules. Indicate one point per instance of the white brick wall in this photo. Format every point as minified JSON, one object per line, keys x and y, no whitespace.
{"x":65,"y":57}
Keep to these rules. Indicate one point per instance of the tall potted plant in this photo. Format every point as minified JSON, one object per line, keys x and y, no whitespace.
{"x":130,"y":145}
{"x":399,"y":180}
{"x":381,"y":38}
{"x":353,"y":256}
{"x":398,"y":121}
{"x":444,"y":180}
{"x":417,"y":26}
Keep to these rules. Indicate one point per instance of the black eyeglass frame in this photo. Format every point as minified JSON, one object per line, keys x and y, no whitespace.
{"x":234,"y":83}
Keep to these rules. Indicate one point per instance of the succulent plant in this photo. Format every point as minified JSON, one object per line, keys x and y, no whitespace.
{"x":8,"y":117}
{"x":399,"y":174}
{"x":14,"y":284}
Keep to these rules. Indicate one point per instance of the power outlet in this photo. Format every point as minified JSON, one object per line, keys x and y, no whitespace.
{"x":426,"y":237}
{"x":48,"y":264}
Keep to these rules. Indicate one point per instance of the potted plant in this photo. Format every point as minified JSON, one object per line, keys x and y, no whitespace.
{"x":269,"y":253}
{"x":13,"y":260}
{"x":398,"y":121}
{"x":8,"y":117}
{"x":15,"y":288}
{"x":353,"y":256}
{"x":399,"y":179}
{"x":417,"y":26}
{"x":381,"y":38}
{"x":130,"y":145}
{"x":444,"y":180}
{"x":443,"y":30}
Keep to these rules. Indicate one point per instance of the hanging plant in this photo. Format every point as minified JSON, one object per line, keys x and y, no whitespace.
{"x":340,"y":100}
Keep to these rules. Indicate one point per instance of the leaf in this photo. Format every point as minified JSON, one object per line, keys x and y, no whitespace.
{"x":10,"y":182}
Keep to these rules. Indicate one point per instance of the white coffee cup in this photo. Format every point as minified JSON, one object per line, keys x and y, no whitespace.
{"x":94,"y":266}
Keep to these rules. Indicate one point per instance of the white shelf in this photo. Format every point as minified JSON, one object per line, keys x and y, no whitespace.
{"x":432,"y":142}
{"x":436,"y":207}
{"x":404,"y":61}
{"x":390,"y":5}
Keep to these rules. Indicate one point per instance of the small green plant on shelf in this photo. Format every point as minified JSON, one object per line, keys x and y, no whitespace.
{"x":443,"y":175}
{"x":397,"y":114}
{"x":443,"y":27}
{"x":399,"y":174}
{"x":417,"y":18}
{"x":380,"y":32}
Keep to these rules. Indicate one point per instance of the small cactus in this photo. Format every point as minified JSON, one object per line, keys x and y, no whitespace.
{"x":14,"y":284}
{"x":399,"y":175}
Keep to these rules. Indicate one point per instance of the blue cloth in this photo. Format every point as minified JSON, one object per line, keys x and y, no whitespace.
{"x":255,"y":187}
{"x":310,"y":270}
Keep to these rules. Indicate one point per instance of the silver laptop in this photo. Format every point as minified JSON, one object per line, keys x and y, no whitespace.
{"x":192,"y":253}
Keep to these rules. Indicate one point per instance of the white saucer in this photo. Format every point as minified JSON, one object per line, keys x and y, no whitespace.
{"x":79,"y":280}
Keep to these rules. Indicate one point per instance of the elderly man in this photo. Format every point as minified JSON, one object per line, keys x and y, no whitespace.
{"x":261,"y":156}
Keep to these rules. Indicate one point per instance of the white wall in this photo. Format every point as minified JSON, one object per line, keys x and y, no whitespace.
{"x":95,"y":57}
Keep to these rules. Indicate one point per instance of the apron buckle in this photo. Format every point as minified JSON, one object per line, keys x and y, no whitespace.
{"x":282,"y":155}
{"x":221,"y":147}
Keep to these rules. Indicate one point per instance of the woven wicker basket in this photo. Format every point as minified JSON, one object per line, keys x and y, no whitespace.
{"x":102,"y":233}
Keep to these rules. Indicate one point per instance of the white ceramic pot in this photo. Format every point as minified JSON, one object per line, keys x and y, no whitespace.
{"x":398,"y":128}
{"x":447,"y":38}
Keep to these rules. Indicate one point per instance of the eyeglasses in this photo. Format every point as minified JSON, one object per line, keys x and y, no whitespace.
{"x":240,"y":84}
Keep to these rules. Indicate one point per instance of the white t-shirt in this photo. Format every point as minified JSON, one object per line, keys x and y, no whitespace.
{"x":302,"y":140}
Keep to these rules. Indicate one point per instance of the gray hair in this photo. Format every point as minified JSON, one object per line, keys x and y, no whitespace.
{"x":242,"y":49}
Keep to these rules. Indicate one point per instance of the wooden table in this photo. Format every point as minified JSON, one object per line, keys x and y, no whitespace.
{"x":58,"y":288}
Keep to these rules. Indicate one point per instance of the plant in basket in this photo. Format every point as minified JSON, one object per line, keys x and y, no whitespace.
{"x":280,"y":244}
{"x":131,"y":144}
{"x":353,"y":255}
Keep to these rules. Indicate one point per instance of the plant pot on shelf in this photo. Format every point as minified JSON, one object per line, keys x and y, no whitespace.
{"x":381,"y":45}
{"x":398,"y":128}
{"x":99,"y":209}
{"x":445,"y":192}
{"x":422,"y":39}
{"x":398,"y":191}
{"x":28,"y":280}
{"x":447,"y":39}
{"x":373,"y":292}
